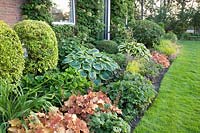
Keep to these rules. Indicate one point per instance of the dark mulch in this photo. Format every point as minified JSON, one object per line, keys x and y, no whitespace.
{"x":156,"y":82}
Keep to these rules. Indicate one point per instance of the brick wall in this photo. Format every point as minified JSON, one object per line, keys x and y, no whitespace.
{"x":10,"y":11}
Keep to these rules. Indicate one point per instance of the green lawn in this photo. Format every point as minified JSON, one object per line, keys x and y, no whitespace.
{"x":177,"y":107}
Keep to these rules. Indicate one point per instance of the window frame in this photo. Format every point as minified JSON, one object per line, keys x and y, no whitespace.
{"x":73,"y":16}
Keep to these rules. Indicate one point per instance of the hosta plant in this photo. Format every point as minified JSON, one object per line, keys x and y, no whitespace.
{"x":86,"y":105}
{"x":135,"y":49}
{"x":53,"y":122}
{"x":161,"y":59}
{"x":92,"y":64}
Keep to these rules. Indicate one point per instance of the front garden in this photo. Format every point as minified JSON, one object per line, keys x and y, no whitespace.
{"x":68,"y":79}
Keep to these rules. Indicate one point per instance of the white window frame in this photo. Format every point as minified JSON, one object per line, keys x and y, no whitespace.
{"x":73,"y":16}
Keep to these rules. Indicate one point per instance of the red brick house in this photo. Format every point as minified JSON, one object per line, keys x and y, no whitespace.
{"x":10,"y":11}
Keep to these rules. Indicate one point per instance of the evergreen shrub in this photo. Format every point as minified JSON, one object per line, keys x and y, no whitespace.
{"x":40,"y":42}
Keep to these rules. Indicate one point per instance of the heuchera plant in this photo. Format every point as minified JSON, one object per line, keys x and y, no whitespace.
{"x":160,"y":59}
{"x":89,"y":104}
{"x":54,"y":121}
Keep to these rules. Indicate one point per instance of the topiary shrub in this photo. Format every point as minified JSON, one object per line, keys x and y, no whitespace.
{"x":11,"y":54}
{"x":147,"y":32}
{"x":40,"y":42}
{"x":107,"y":46}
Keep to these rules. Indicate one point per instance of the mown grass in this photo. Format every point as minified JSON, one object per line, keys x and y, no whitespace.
{"x":177,"y":107}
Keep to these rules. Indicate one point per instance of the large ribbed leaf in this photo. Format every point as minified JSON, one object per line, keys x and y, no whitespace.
{"x":67,"y":60}
{"x":98,"y":66}
{"x":105,"y":75}
{"x":92,"y":75}
{"x":75,"y":64}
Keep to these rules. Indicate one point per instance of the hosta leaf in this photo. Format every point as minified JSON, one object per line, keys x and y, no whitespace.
{"x":92,"y":75}
{"x":75,"y":64}
{"x":89,"y":60}
{"x":97,"y":81}
{"x":93,"y":51}
{"x":83,"y":73}
{"x":87,"y":66}
{"x":97,"y":66}
{"x":97,"y":54}
{"x":67,"y":60}
{"x":105,"y":75}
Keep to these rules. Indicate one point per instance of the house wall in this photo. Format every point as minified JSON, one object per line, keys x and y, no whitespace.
{"x":10,"y":11}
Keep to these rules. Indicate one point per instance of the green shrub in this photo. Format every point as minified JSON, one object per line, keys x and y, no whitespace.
{"x":66,"y":46}
{"x":92,"y":64}
{"x":133,"y":94}
{"x":37,"y":10}
{"x":185,"y":36}
{"x":11,"y":54}
{"x":170,"y":36}
{"x":147,"y":32}
{"x":148,"y":68}
{"x":60,"y":84}
{"x":119,"y":58}
{"x":107,"y":46}
{"x":41,"y":44}
{"x":63,"y":32}
{"x":133,"y":67}
{"x":167,"y":47}
{"x":108,"y":123}
{"x":135,"y":49}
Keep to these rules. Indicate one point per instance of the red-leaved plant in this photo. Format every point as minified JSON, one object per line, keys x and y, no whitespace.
{"x":89,"y":104}
{"x":160,"y":59}
{"x":53,"y":122}
{"x":66,"y":120}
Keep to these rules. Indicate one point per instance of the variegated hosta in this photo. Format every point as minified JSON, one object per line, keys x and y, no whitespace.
{"x":92,"y":64}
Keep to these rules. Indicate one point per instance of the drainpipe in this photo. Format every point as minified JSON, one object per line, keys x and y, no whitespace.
{"x":107,"y":5}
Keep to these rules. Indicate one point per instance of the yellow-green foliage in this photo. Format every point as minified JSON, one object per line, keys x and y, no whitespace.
{"x":11,"y":54}
{"x":41,"y":44}
{"x":167,"y":47}
{"x":133,"y":67}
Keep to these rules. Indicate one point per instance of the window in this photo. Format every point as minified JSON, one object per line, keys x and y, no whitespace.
{"x":63,"y":12}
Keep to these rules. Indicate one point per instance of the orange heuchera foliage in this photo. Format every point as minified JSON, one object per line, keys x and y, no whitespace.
{"x":54,"y":122}
{"x":161,"y":59}
{"x":89,"y":104}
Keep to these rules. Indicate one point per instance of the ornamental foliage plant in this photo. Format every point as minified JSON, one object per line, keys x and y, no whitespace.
{"x":59,"y":84}
{"x":133,"y":94}
{"x":11,"y":54}
{"x":147,"y":32}
{"x":40,"y":42}
{"x":92,"y":64}
{"x":108,"y":123}
{"x":135,"y":49}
